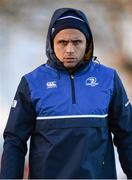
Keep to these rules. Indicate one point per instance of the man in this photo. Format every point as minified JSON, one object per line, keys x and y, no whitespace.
{"x":69,"y":107}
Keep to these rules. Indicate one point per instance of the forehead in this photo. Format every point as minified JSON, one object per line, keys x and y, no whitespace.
{"x":67,"y":34}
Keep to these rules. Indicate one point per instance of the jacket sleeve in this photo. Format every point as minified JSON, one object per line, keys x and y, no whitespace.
{"x":121,"y":125}
{"x":19,"y":128}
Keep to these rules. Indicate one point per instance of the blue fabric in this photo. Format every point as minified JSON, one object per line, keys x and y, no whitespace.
{"x":86,"y":143}
{"x":59,"y":99}
{"x":72,"y":136}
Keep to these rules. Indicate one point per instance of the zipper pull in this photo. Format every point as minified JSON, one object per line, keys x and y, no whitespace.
{"x":72,"y":77}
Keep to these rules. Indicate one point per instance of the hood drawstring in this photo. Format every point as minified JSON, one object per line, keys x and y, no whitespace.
{"x":95,"y":59}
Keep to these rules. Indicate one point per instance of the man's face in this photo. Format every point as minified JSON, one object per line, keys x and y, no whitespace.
{"x":69,"y":47}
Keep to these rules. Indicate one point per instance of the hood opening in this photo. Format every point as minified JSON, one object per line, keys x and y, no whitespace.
{"x":52,"y":59}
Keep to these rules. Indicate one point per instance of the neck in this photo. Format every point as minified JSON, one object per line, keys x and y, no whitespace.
{"x":79,"y":66}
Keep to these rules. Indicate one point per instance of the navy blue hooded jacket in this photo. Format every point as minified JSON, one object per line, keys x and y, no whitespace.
{"x":69,"y":119}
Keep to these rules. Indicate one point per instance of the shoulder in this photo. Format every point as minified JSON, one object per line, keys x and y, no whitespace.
{"x":41,"y":72}
{"x":35,"y":72}
{"x":39,"y":76}
{"x":103,"y":70}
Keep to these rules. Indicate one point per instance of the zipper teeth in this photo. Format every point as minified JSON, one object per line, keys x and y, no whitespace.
{"x":73,"y":89}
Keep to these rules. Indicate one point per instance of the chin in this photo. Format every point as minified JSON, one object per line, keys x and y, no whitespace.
{"x":70,"y":66}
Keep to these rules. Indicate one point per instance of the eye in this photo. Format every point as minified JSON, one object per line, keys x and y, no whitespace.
{"x":77,"y":42}
{"x":63,"y":43}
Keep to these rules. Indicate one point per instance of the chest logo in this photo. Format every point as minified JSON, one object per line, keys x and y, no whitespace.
{"x":51,"y":84}
{"x":91,"y":81}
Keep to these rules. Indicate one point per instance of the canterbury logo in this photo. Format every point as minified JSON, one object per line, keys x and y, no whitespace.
{"x":91,"y":81}
{"x":51,"y":84}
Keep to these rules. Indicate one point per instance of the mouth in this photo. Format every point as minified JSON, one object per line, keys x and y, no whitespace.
{"x":70,"y":59}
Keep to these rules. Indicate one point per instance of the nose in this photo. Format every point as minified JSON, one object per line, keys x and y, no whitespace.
{"x":70,"y":48}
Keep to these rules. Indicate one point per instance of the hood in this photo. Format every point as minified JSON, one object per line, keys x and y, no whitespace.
{"x":52,"y":59}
